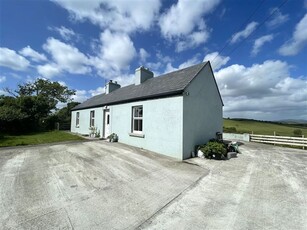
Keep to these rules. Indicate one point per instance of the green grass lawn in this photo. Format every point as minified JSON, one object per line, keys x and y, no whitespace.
{"x":258,"y":127}
{"x":37,"y":138}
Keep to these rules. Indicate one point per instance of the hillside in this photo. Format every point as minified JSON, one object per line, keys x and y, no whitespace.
{"x":260,"y":127}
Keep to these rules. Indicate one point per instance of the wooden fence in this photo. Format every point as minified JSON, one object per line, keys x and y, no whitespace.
{"x":280,"y":140}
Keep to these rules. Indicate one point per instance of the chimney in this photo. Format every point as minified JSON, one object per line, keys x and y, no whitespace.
{"x":111,"y":86}
{"x":142,"y":74}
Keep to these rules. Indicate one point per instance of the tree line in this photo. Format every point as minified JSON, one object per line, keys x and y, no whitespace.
{"x":33,"y":107}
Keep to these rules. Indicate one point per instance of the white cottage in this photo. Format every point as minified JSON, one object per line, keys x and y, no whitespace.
{"x":169,"y":114}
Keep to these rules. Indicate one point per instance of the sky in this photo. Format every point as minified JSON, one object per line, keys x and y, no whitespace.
{"x":257,"y":48}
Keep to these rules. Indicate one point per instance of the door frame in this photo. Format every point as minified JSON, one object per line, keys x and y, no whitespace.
{"x":105,"y":111}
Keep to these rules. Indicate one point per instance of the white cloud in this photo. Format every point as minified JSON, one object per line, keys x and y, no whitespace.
{"x":10,"y":59}
{"x":2,"y":79}
{"x":116,"y":53}
{"x":116,"y":15}
{"x":260,"y":42}
{"x":169,"y":68}
{"x":63,"y":83}
{"x":188,"y":63}
{"x":278,"y":18}
{"x":193,"y":61}
{"x":2,"y":92}
{"x":65,"y":58}
{"x":34,"y":55}
{"x":183,"y":17}
{"x":244,"y":33}
{"x":125,"y":79}
{"x":184,"y":23}
{"x":192,"y":40}
{"x":66,"y":33}
{"x":262,"y":91}
{"x":49,"y":70}
{"x":216,"y":60}
{"x":97,"y":91}
{"x":298,"y":40}
{"x":80,"y":96}
{"x":143,"y":55}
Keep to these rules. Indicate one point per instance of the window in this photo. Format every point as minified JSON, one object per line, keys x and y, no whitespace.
{"x":77,"y":119}
{"x":137,"y":119}
{"x":92,"y":118}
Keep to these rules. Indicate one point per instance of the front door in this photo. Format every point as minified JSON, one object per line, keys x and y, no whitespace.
{"x":106,"y":126}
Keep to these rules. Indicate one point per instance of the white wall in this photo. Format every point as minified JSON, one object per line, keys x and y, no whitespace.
{"x":162,"y":125}
{"x":236,"y":137}
{"x":84,"y":121}
{"x":202,"y":111}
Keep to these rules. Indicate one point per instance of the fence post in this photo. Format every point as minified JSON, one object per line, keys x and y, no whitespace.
{"x":274,"y":136}
{"x":303,"y":137}
{"x":57,"y":126}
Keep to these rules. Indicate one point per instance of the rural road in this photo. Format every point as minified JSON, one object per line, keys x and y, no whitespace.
{"x":101,"y":185}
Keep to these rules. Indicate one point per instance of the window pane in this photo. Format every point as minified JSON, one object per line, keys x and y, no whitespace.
{"x":140,"y":125}
{"x":140,"y":112}
{"x":136,"y":112}
{"x":77,"y":119}
{"x":135,"y":125}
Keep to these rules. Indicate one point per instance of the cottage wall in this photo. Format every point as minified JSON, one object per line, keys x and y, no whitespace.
{"x":84,"y":121}
{"x":202,"y":111}
{"x":162,"y":125}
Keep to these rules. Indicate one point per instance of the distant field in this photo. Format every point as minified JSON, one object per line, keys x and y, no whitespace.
{"x":258,"y":127}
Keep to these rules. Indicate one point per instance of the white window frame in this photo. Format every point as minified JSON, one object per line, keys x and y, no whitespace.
{"x":139,"y":118}
{"x":77,"y":119}
{"x":92,"y":118}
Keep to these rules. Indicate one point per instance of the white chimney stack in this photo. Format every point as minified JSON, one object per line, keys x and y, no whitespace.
{"x":111,"y":86}
{"x":142,"y":74}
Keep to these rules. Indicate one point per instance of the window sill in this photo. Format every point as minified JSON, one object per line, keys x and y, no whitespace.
{"x":137,"y":135}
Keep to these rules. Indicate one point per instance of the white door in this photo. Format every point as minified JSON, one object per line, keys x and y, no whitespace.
{"x":106,"y":127}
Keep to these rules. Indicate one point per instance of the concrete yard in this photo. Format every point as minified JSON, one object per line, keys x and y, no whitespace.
{"x":101,"y":185}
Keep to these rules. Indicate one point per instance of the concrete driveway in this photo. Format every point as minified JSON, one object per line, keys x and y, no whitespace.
{"x":89,"y":185}
{"x":100,"y":185}
{"x":264,"y":188}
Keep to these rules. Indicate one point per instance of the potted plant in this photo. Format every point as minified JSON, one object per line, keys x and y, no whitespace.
{"x":113,"y":137}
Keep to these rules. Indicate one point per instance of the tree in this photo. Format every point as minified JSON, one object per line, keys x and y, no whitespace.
{"x":53,"y":92}
{"x":30,"y":104}
{"x":297,"y":132}
{"x":64,"y":114}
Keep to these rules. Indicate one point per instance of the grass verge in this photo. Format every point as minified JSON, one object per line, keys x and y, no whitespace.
{"x":37,"y":138}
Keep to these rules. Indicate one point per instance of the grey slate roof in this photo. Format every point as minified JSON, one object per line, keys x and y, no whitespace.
{"x":165,"y":85}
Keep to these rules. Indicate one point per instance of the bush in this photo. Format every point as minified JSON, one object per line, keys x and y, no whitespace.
{"x":297,"y":132}
{"x":214,"y":149}
{"x":229,"y":129}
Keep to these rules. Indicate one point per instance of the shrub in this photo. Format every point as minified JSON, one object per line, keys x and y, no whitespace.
{"x":229,"y":129}
{"x":297,"y":132}
{"x":214,"y":149}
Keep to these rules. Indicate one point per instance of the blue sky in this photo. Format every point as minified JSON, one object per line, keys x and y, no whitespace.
{"x":258,"y":49}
